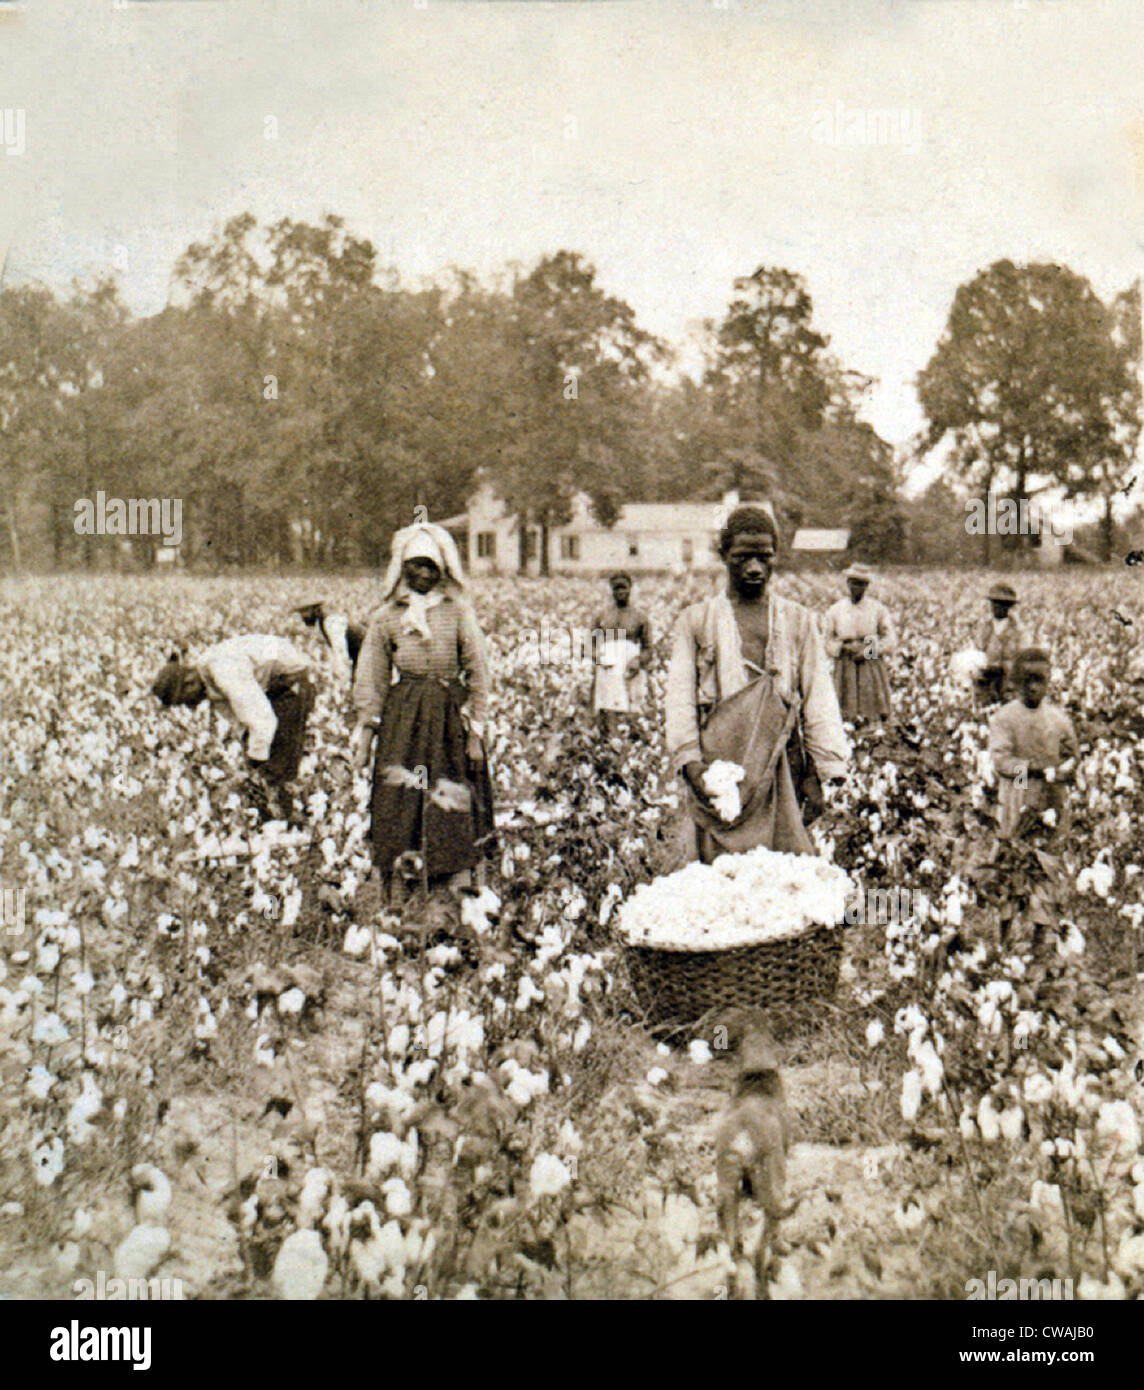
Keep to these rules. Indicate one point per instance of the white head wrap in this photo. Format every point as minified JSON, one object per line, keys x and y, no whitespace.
{"x":424,"y":540}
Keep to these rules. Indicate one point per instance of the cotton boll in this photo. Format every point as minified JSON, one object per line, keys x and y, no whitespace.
{"x":1038,"y":1089}
{"x":875,"y":1031}
{"x":548,"y":1176}
{"x":300,"y":1267}
{"x":1045,"y":1199}
{"x":1012,"y":1122}
{"x":152,"y":1193}
{"x":911,"y":1095}
{"x":1117,"y":1131}
{"x":988,"y":1120}
{"x":398,"y":1202}
{"x":141,"y":1251}
{"x":357,"y":941}
{"x":312,"y":1199}
{"x":292,"y":1001}
{"x":788,"y":1285}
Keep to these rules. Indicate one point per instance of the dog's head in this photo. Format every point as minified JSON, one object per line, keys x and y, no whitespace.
{"x":758,"y":1052}
{"x":748,"y":1031}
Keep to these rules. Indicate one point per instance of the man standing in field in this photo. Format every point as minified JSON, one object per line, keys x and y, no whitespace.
{"x":1001,"y":637}
{"x":749,"y":685}
{"x":263,"y":685}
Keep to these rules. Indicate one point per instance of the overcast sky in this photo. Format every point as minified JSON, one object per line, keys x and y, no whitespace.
{"x":676,"y":145}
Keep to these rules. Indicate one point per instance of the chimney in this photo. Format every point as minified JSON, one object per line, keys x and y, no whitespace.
{"x":731,"y":499}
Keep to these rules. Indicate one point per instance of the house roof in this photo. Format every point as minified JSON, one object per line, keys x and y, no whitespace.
{"x":455,"y":523}
{"x":689,"y":517}
{"x":810,"y":539}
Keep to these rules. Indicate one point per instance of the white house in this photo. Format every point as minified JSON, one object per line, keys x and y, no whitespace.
{"x":647,"y":536}
{"x":814,"y":548}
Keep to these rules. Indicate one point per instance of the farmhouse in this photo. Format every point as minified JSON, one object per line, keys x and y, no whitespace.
{"x":647,"y":536}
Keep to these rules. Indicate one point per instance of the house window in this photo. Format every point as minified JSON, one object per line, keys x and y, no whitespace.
{"x":487,"y":545}
{"x":569,"y":547}
{"x":633,"y":547}
{"x":688,"y":550}
{"x":531,"y":545}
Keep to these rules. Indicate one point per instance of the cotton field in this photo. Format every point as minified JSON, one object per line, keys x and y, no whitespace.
{"x":224,"y":1063}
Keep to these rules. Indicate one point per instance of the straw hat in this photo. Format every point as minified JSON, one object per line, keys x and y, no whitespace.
{"x":859,"y":573}
{"x":1003,"y":593}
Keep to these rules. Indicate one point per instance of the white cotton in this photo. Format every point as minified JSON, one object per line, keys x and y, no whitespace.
{"x":740,"y":899}
{"x":548,"y":1176}
{"x":141,"y":1251}
{"x":300,"y":1267}
{"x":721,"y":782}
{"x":911,"y":1095}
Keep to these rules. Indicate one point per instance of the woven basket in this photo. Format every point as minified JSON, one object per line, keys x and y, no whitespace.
{"x":785,"y":978}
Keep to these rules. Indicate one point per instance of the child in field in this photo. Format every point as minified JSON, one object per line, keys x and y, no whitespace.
{"x":1034,"y":748}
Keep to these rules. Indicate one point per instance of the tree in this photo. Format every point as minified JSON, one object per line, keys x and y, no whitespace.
{"x":1022,"y":384}
{"x":578,"y":364}
{"x":769,"y":360}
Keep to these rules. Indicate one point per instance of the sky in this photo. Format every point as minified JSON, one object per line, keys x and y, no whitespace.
{"x":885,"y":149}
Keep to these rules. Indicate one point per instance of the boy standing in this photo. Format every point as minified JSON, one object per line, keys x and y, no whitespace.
{"x":1034,"y":747}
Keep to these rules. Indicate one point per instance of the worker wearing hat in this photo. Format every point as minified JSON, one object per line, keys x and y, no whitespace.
{"x":342,"y":637}
{"x":1001,"y":637}
{"x":858,"y":634}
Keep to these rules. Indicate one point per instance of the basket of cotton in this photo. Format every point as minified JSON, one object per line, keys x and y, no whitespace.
{"x":757,"y":930}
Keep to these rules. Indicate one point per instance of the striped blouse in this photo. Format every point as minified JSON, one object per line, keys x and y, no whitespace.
{"x":456,"y":647}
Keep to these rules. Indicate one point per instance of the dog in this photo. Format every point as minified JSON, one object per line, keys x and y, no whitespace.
{"x":751,"y":1144}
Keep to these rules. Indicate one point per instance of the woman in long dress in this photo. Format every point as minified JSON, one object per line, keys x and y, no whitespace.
{"x":422,"y":687}
{"x":859,"y":635}
{"x":749,"y":683}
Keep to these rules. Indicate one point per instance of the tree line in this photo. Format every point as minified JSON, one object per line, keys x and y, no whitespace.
{"x":300,"y":402}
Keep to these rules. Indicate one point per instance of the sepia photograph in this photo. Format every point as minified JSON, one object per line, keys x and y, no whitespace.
{"x":572,"y":724}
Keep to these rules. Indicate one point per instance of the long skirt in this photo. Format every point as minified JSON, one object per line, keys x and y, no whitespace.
{"x":863,"y":688}
{"x":292,"y":699}
{"x":428,"y":797}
